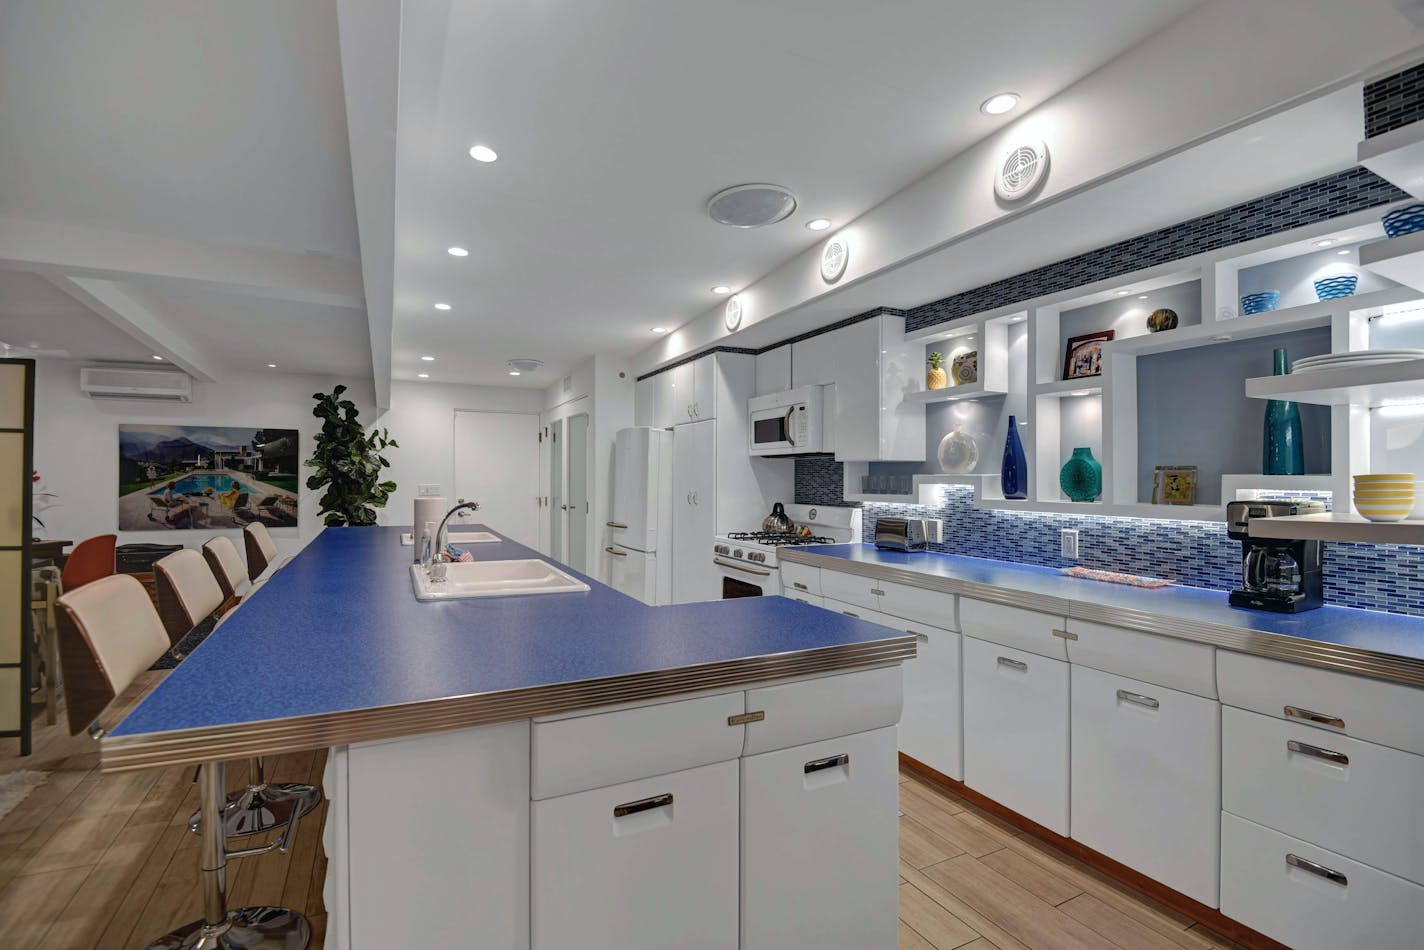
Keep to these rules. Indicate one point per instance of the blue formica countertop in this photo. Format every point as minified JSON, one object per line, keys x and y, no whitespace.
{"x":1387,"y":646}
{"x":335,"y":648}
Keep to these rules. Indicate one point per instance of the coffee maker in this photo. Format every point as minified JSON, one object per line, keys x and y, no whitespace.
{"x":1286,"y":576}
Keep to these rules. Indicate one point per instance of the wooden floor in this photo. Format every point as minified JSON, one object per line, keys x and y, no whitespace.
{"x":91,"y":860}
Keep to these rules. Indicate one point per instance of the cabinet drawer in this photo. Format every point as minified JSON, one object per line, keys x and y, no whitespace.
{"x":1016,"y":730}
{"x":860,"y":613}
{"x":811,"y":710}
{"x":915,"y":603}
{"x":815,"y":600}
{"x":1146,"y":779}
{"x":1369,"y":709}
{"x":1293,"y":902}
{"x":930,"y":725}
{"x":1013,"y":627}
{"x":647,"y":864}
{"x":800,"y":579}
{"x":1356,"y":798}
{"x":851,"y":588}
{"x":1164,"y":661}
{"x":570,"y":755}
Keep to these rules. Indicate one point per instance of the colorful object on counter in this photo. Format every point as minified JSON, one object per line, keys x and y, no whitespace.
{"x":1263,"y":302}
{"x":1385,"y":497}
{"x":1402,"y":221}
{"x":1163,"y":319}
{"x":1081,"y":477}
{"x":965,"y":368}
{"x":1333,"y":288}
{"x":1116,"y":577}
{"x":458,"y":555}
{"x":958,"y":453}
{"x":936,"y":379}
{"x":1013,"y":475}
{"x":1283,"y":443}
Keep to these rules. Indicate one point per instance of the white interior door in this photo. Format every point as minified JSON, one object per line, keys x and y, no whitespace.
{"x":497,"y":465}
{"x":578,"y":500}
{"x":558,"y":507}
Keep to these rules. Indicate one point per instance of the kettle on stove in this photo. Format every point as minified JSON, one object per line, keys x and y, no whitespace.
{"x":777,"y":522}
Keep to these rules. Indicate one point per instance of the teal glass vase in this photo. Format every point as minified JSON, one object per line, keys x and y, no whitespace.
{"x":1081,"y":477}
{"x":1283,"y":451}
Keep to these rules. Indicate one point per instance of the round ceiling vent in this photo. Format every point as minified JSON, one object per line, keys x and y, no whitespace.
{"x":1021,"y":170}
{"x":751,"y":206}
{"x":732,"y":314}
{"x":834,"y":258}
{"x":524,"y":366}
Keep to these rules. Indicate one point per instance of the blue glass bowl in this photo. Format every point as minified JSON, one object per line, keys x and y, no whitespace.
{"x":1333,"y":288}
{"x":1404,"y":220}
{"x":1264,"y":302}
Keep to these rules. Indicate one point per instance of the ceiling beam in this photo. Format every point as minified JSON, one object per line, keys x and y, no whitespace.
{"x":113,"y":303}
{"x":57,"y":249}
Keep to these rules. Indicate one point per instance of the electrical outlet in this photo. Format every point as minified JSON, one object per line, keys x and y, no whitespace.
{"x":429,"y":491}
{"x":1068,"y":543}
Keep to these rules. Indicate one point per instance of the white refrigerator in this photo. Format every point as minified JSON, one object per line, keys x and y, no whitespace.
{"x":638,"y":549}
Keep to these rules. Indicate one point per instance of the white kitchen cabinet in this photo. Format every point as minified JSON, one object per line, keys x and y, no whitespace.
{"x":1164,"y":661}
{"x":872,"y":367}
{"x":1016,"y":730}
{"x":682,"y":388}
{"x":1146,"y":779}
{"x":819,"y":845}
{"x":851,"y":589}
{"x":931,"y":730}
{"x":645,"y":410}
{"x":800,"y":579}
{"x":1030,"y":630}
{"x":704,"y":387}
{"x":335,"y":842}
{"x":822,"y":708}
{"x":694,"y":512}
{"x":930,"y":607}
{"x":666,"y":399}
{"x":773,"y":370}
{"x":648,"y":864}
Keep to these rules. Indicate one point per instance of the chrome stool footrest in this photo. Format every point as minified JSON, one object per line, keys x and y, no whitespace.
{"x":261,"y":808}
{"x":247,"y":928}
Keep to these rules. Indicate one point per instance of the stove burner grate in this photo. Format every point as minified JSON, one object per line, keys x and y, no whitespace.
{"x":778,"y":539}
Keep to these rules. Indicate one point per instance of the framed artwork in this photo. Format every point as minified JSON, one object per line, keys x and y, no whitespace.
{"x":1085,"y":355}
{"x":206,"y":477}
{"x":1174,"y":485}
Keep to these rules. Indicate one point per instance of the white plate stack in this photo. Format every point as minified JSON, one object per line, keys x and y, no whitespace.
{"x":1316,"y":364}
{"x":1385,"y":497}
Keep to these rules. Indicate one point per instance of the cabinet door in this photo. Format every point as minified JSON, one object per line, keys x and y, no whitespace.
{"x":694,"y":512}
{"x":665,"y":400}
{"x":1016,"y":730}
{"x":681,"y":389}
{"x":649,"y":864}
{"x":851,"y":589}
{"x":930,"y":726}
{"x":1146,"y":786}
{"x":819,"y":845}
{"x":645,"y":399}
{"x":704,"y":388}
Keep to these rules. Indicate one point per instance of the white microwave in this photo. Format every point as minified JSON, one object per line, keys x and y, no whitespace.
{"x":787,"y":423}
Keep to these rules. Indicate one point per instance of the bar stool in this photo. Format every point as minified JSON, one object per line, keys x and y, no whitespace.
{"x":188,"y":594}
{"x":261,"y":550}
{"x":109,"y":633}
{"x":221,"y":555}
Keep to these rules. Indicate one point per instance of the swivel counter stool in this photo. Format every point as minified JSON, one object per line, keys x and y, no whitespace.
{"x":109,"y":633}
{"x":261,"y":549}
{"x":188,"y":594}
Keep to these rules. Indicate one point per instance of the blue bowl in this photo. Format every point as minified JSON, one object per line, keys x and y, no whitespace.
{"x":1404,"y":220}
{"x":1333,"y":288}
{"x":1264,"y":302}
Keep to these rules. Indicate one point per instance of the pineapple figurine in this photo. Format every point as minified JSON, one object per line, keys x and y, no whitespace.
{"x":937,"y":378}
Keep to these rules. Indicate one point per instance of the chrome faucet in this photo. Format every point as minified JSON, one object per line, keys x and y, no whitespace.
{"x":436,"y":568}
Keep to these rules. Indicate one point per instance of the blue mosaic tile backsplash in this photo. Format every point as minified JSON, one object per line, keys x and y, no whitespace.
{"x":1394,"y":101}
{"x":1196,"y":553}
{"x":820,"y":480}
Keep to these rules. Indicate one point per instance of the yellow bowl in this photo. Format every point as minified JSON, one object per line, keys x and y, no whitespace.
{"x":1376,"y":479}
{"x":1397,"y":490}
{"x":1384,"y":516}
{"x":1384,"y":507}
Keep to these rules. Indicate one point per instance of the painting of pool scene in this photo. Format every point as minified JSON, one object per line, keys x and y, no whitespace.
{"x":203,"y":477}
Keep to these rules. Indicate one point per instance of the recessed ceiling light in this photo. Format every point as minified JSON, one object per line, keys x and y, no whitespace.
{"x":1123,"y":293}
{"x":428,"y":359}
{"x":523,"y":365}
{"x":442,"y":306}
{"x":1324,"y":242}
{"x":1081,"y":392}
{"x":514,"y":372}
{"x":458,"y":252}
{"x":157,"y":357}
{"x":1141,"y":296}
{"x":483,"y":153}
{"x":818,"y":224}
{"x":271,"y":365}
{"x":998,"y":105}
{"x":659,"y":329}
{"x":422,"y":375}
{"x":1017,"y":319}
{"x":1343,"y":250}
{"x":721,"y":289}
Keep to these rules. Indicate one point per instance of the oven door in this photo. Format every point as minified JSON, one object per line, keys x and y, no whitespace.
{"x":770,"y":431}
{"x":740,"y":579}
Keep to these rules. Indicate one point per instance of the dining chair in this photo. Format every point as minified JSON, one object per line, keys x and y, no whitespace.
{"x":91,"y":559}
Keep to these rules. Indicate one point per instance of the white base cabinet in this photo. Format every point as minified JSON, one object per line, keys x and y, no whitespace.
{"x":930,"y":726}
{"x":1146,"y":779}
{"x":819,"y":846}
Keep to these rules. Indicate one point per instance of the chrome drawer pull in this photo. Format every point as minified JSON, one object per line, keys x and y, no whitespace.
{"x":1065,"y":635}
{"x":1297,"y":712}
{"x":830,"y":762}
{"x":1019,"y":665}
{"x":741,"y":719}
{"x":1137,"y":699}
{"x":616,"y":524}
{"x":799,"y":586}
{"x":1305,"y":748}
{"x":849,"y":614}
{"x":645,"y":804}
{"x":1320,"y":870}
{"x":615,"y":553}
{"x":877,"y":592}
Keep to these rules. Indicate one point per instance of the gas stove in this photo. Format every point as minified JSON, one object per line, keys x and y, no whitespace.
{"x":737,"y":551}
{"x":778,"y":539}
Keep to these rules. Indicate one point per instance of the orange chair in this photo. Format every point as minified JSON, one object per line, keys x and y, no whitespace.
{"x":92,"y":559}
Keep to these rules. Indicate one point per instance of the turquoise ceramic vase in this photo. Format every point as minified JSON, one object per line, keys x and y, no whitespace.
{"x":1013,"y":476}
{"x":1283,"y":451}
{"x":1081,"y":477}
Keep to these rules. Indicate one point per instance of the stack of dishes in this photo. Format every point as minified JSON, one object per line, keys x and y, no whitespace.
{"x":1315,"y":364}
{"x":1385,"y":497}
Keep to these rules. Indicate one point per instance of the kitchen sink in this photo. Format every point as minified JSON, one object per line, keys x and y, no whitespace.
{"x":458,"y":537}
{"x":494,"y":579}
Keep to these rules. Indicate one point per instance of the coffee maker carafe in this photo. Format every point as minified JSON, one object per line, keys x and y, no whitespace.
{"x":1277,"y":574}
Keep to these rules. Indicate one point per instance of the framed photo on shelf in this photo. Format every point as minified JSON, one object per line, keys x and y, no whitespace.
{"x":1174,"y":485}
{"x":1085,"y":355}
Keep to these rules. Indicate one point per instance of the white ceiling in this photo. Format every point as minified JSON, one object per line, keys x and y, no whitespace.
{"x":615,"y":121}
{"x":36,"y":314}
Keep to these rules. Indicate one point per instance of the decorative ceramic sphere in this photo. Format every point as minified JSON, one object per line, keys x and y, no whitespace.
{"x":1163,"y":319}
{"x":957,"y":452}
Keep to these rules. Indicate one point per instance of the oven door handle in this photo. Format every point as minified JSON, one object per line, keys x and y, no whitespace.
{"x":737,"y":567}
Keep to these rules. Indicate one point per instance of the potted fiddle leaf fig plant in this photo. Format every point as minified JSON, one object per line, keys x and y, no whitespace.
{"x":348,"y":463}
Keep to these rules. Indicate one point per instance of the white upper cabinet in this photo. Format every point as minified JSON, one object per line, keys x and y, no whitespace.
{"x":645,"y":399}
{"x":704,"y":388}
{"x":686,"y":393}
{"x":773,"y":370}
{"x":872,"y":368}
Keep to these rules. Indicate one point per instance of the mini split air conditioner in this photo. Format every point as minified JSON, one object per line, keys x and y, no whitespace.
{"x":119,"y":382}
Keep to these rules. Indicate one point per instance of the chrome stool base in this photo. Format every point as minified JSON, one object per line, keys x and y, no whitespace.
{"x":261,"y":808}
{"x":247,"y":928}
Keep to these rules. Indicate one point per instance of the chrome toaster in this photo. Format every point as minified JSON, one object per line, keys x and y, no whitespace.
{"x":901,"y":534}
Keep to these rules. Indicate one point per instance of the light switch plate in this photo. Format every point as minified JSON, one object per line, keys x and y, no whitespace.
{"x":429,"y":491}
{"x":1068,"y":543}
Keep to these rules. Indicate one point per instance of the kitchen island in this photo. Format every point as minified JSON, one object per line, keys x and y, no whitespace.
{"x":527,"y":771}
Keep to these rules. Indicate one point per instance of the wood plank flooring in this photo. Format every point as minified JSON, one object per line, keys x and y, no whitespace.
{"x":105,"y":861}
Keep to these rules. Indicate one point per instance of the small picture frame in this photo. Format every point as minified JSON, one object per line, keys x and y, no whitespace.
{"x":1084,"y":356}
{"x":1174,"y":485}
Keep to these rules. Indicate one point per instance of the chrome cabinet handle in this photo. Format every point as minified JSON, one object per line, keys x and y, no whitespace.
{"x":1299,"y":712}
{"x":616,"y":524}
{"x":877,"y":592}
{"x":616,"y":553}
{"x":1137,"y":699}
{"x":799,"y":586}
{"x":1320,"y":870}
{"x":1018,"y":665}
{"x":642,"y":804}
{"x":1314,"y":751}
{"x":689,"y":498}
{"x":829,"y":762}
{"x":850,"y":614}
{"x":737,"y":567}
{"x":1065,"y":635}
{"x":696,"y":409}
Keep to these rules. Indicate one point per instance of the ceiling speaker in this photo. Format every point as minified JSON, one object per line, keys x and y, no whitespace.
{"x":1021,"y":170}
{"x":751,"y":206}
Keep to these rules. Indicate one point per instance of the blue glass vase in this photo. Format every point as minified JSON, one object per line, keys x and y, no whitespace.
{"x":1013,"y":475}
{"x":1284,"y":445}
